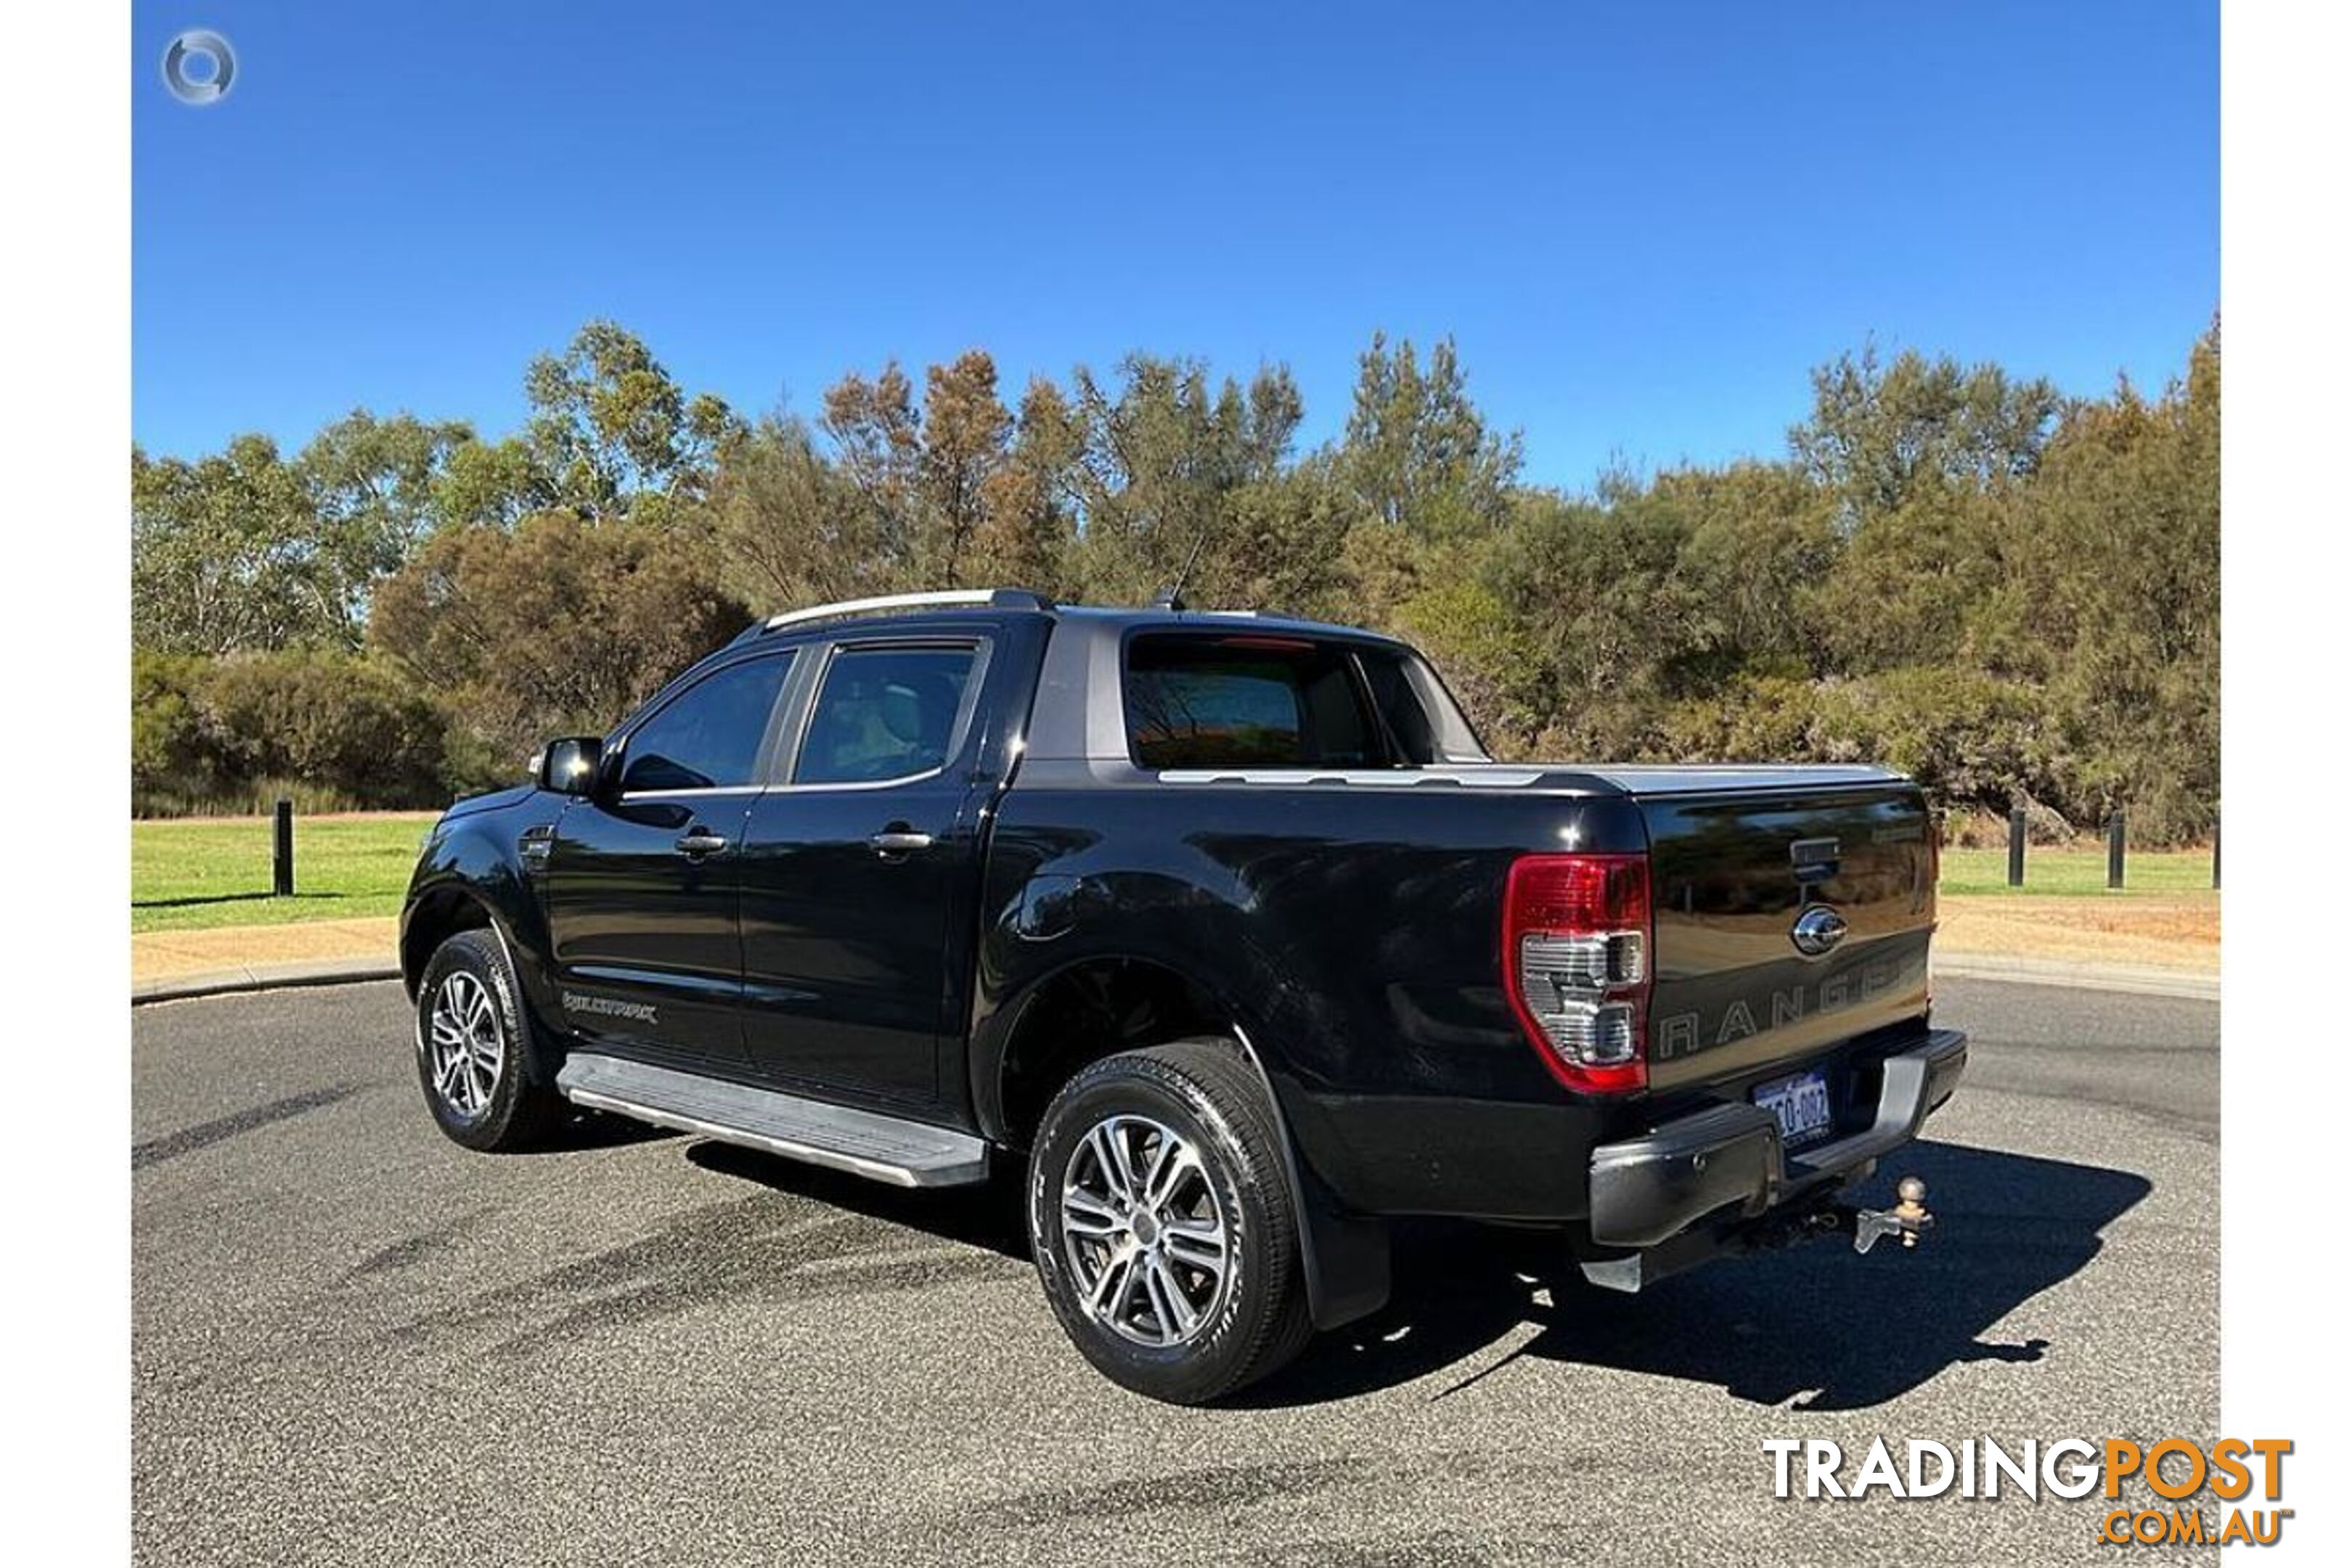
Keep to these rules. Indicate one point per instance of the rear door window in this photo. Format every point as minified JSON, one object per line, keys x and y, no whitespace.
{"x":887,"y":713}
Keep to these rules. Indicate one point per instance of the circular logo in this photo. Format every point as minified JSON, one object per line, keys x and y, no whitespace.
{"x":199,"y":67}
{"x":1818,"y":930}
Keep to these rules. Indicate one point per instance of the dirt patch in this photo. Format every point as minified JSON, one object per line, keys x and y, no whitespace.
{"x":2141,"y":931}
{"x":170,"y":954}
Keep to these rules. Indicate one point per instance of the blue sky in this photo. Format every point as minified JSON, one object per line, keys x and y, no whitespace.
{"x":1642,"y":224}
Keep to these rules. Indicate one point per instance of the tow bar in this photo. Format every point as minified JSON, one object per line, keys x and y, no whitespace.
{"x":1908,"y":1218}
{"x":1634,"y":1271}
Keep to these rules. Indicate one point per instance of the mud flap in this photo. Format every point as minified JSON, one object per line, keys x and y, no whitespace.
{"x":1343,"y":1257}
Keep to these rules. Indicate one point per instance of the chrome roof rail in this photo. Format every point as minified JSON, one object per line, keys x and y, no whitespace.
{"x":997,"y":598}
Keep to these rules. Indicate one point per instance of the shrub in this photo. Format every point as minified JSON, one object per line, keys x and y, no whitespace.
{"x":330,"y":728}
{"x":1971,"y":740}
{"x":173,"y":764}
{"x":557,"y":627}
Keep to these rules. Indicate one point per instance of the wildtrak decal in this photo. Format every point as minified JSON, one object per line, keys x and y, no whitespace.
{"x":610,"y":1006}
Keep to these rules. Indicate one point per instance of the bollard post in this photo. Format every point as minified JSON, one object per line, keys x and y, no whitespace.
{"x":281,"y":859}
{"x":2017,"y":847}
{"x":2115,"y":849}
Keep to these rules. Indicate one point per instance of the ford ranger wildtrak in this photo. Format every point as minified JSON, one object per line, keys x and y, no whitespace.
{"x":1222,"y":929}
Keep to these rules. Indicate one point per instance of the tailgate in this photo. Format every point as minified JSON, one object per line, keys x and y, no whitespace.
{"x":1788,"y":918}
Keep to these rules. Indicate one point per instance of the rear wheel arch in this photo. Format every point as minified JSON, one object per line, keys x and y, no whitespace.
{"x":1106,"y":1004}
{"x":1093,"y":1008}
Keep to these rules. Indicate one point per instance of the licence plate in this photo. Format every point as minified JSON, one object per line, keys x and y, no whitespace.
{"x":1801,"y":1104}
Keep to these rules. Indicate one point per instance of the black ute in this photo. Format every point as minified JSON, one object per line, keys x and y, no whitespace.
{"x":1221,"y":927}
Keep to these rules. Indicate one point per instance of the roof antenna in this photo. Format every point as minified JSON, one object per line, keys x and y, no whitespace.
{"x":1172,"y":597}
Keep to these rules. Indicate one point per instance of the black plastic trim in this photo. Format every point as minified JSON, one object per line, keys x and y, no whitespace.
{"x":1648,"y":1189}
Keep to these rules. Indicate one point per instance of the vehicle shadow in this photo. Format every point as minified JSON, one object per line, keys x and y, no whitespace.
{"x":987,"y":1216}
{"x":1815,"y":1325}
{"x":584,"y":1129}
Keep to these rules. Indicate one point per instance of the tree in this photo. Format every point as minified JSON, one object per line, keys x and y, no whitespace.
{"x":791,"y":529}
{"x":225,"y":735}
{"x":1608,"y":605}
{"x":1489,"y":662}
{"x":1277,"y":546}
{"x":329,"y":721}
{"x":1756,"y":540}
{"x":1029,"y":525}
{"x":1953,"y":570}
{"x":1417,"y":454}
{"x":560,"y":625}
{"x":1902,"y":590}
{"x":611,"y":434}
{"x":1161,"y":459}
{"x":488,"y":484}
{"x":374,"y":486}
{"x":244,"y":550}
{"x":1878,"y":432}
{"x":966,"y":435}
{"x":878,"y":443}
{"x":228,"y":553}
{"x":2112,"y":598}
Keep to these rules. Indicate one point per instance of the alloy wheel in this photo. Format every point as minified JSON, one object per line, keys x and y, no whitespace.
{"x":467,"y":1046}
{"x":1143,"y":1233}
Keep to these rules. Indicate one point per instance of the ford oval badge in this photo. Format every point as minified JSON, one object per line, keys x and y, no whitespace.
{"x":1818,"y":928}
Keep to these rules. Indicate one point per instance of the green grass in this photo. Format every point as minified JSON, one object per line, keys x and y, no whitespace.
{"x":185,"y":875}
{"x":2078,"y":871}
{"x":192,"y":874}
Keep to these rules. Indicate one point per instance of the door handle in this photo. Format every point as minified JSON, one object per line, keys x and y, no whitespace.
{"x":898,"y":841}
{"x":700,"y":841}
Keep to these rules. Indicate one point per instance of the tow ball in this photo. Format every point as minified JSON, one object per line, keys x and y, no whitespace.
{"x":1908,"y":1218}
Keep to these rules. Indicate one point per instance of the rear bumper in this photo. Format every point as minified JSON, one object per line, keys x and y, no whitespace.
{"x":1728,"y":1157}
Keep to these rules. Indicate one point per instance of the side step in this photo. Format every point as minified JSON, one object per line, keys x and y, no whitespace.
{"x":863,"y":1143}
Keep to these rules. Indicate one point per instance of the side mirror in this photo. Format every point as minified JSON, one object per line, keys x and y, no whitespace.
{"x":569,"y":766}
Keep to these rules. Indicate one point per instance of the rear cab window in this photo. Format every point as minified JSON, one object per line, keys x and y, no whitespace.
{"x":1272,"y":700}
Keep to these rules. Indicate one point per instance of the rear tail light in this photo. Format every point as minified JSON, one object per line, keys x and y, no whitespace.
{"x":1576,"y":959}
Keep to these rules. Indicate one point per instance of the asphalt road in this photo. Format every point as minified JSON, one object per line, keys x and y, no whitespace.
{"x":355,"y":1343}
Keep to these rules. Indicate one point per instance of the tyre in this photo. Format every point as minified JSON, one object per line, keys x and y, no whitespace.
{"x":475,"y":1049}
{"x":1160,"y":1219}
